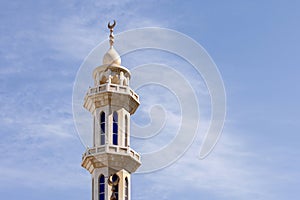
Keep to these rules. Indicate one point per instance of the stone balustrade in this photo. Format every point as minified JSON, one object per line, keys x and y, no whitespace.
{"x":112,"y":149}
{"x":108,"y":87}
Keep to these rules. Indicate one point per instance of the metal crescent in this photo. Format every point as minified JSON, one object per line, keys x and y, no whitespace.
{"x":113,"y":183}
{"x":111,"y":26}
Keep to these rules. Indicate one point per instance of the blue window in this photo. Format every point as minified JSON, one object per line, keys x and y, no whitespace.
{"x":101,"y":187}
{"x":126,"y":189}
{"x":102,"y":128}
{"x":126,"y":131}
{"x":115,"y":128}
{"x":92,"y":188}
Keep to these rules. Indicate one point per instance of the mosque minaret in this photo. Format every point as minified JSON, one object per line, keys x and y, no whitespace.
{"x":111,"y":102}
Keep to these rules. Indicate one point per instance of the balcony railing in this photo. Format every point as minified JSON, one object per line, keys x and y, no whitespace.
{"x":112,"y":149}
{"x":113,"y":88}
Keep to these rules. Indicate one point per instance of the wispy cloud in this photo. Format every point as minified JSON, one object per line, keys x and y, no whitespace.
{"x":38,"y":65}
{"x":43,"y":43}
{"x":226,"y":173}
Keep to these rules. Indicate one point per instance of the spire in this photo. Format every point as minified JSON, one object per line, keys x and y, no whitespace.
{"x":111,"y":57}
{"x":111,"y":35}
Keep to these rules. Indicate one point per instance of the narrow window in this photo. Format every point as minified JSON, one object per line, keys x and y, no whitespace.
{"x":92,"y":188}
{"x":126,"y":189}
{"x":126,"y":131}
{"x":101,"y":187}
{"x":102,"y":128}
{"x":94,"y":125}
{"x":115,"y":128}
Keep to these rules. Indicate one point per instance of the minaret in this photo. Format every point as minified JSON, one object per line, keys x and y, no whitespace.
{"x":111,"y":102}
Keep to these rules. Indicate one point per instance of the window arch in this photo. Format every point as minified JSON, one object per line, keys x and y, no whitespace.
{"x":126,"y":131}
{"x":126,"y":189}
{"x":101,"y":187}
{"x":102,"y":128}
{"x":115,"y":128}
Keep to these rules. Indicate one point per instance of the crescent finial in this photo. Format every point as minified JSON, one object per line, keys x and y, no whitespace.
{"x":111,"y":35}
{"x":111,"y":26}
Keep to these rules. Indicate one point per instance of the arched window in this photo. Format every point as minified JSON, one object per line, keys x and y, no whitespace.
{"x":126,"y":131}
{"x":101,"y":187}
{"x":126,"y":189}
{"x":115,"y":128}
{"x":102,"y":128}
{"x":93,"y":189}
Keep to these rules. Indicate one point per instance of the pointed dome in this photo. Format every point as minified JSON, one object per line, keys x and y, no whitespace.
{"x":111,"y":57}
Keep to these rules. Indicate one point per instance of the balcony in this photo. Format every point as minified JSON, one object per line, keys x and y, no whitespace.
{"x":112,"y":88}
{"x":112,"y":149}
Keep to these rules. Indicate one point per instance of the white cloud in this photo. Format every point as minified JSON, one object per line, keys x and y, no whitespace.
{"x":38,"y":134}
{"x":226,"y":173}
{"x":37,"y":130}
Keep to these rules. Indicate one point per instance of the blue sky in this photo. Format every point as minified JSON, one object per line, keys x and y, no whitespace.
{"x":255,"y":45}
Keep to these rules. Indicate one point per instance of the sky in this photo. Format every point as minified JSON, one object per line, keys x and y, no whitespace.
{"x":255,"y":45}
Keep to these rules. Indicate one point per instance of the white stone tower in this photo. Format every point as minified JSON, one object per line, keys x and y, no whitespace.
{"x":111,"y":102}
